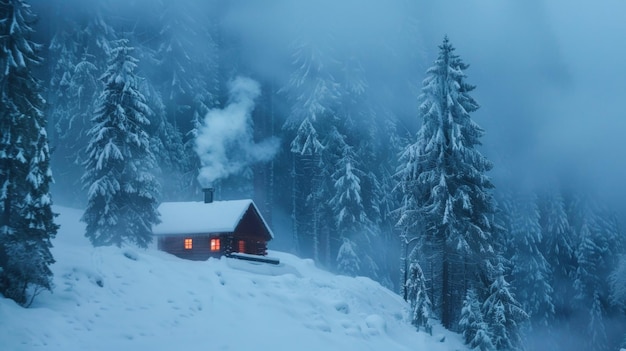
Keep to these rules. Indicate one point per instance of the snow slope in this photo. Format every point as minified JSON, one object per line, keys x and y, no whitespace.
{"x":128,"y":299}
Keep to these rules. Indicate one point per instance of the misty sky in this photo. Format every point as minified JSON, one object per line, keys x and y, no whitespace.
{"x":550,"y":75}
{"x":551,"y":80}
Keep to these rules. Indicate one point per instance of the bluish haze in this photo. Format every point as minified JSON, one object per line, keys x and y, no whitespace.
{"x":549,"y":76}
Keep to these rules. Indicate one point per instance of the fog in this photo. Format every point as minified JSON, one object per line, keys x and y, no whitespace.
{"x":549,"y":76}
{"x":551,"y":83}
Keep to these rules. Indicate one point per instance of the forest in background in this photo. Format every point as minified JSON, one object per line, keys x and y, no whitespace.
{"x":336,"y":118}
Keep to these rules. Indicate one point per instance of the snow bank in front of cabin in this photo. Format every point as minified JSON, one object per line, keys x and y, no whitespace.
{"x":124,"y":299}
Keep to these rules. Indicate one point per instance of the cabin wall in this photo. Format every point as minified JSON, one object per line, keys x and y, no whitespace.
{"x":252,"y":226}
{"x":201,"y":246}
{"x":252,"y":245}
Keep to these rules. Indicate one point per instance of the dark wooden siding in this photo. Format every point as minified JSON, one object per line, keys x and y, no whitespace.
{"x":201,"y":249}
{"x":252,"y":226}
{"x":252,"y":245}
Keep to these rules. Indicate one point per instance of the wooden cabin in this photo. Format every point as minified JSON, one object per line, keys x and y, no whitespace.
{"x":199,"y":230}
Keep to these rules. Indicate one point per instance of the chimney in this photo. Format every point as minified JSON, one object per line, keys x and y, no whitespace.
{"x":208,"y":195}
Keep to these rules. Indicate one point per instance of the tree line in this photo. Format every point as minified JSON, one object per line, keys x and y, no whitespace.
{"x":121,"y":101}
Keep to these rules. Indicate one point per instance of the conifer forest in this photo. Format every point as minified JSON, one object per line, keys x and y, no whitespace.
{"x":375,"y":137}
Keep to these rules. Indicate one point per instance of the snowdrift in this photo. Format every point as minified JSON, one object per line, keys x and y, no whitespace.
{"x":129,"y":299}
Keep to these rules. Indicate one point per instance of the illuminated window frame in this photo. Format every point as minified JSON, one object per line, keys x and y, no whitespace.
{"x":188,"y":243}
{"x":215,"y":244}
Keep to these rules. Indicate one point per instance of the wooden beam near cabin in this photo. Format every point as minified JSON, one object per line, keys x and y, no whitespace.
{"x":254,"y":258}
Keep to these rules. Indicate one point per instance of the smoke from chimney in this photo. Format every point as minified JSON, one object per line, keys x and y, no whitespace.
{"x":225,"y":142}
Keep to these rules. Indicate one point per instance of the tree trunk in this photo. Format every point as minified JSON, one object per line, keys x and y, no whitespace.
{"x":294,"y":203}
{"x":403,"y":270}
{"x":446,"y":318}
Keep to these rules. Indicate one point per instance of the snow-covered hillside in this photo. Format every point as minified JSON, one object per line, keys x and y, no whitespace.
{"x":128,"y":299}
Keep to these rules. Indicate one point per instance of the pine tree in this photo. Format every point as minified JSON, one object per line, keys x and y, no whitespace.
{"x":421,"y":308}
{"x":186,"y":62}
{"x":166,"y":144}
{"x":474,"y":329}
{"x":347,"y":206}
{"x":26,"y":218}
{"x":530,"y":270}
{"x":558,"y":248}
{"x":617,"y":279}
{"x":313,"y":95}
{"x":347,"y":203}
{"x":443,"y":182}
{"x":589,"y":282}
{"x":182,"y":64}
{"x":348,"y":262}
{"x":79,"y":50}
{"x":122,"y":192}
{"x":503,"y":314}
{"x":63,"y":52}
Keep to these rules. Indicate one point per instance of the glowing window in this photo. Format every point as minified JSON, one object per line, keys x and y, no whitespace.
{"x":188,"y":244}
{"x":215,"y":244}
{"x":242,"y":246}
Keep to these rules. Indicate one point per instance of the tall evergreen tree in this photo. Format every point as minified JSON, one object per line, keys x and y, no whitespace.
{"x":186,"y":61}
{"x":347,"y":202}
{"x":351,"y":220}
{"x":444,"y":185}
{"x":421,"y":308}
{"x":182,"y":64}
{"x":313,"y":95}
{"x":122,"y":191}
{"x":347,"y":259}
{"x":474,"y":329}
{"x":79,"y":50}
{"x":504,"y":315}
{"x":558,"y":248}
{"x":530,"y":269}
{"x":166,"y":144}
{"x":589,"y":283}
{"x":26,"y":218}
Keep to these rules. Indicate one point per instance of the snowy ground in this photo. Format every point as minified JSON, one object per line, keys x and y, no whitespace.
{"x":128,"y":299}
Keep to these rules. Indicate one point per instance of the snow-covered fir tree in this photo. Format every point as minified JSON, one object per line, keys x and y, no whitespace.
{"x":558,"y":249}
{"x":80,"y":48}
{"x":444,"y":184}
{"x":421,"y":308}
{"x":26,"y":218}
{"x":347,"y":206}
{"x":503,"y":314}
{"x":530,"y":270}
{"x":598,"y":246}
{"x":182,"y":64}
{"x":72,"y":125}
{"x":590,"y":255}
{"x":185,"y":60}
{"x":472,"y":325}
{"x":617,"y":280}
{"x":166,"y":144}
{"x":347,"y":202}
{"x":122,"y":191}
{"x":313,"y":95}
{"x":63,"y":50}
{"x":348,"y":262}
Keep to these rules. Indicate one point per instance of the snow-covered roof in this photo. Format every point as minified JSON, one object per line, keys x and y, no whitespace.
{"x":198,"y":217}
